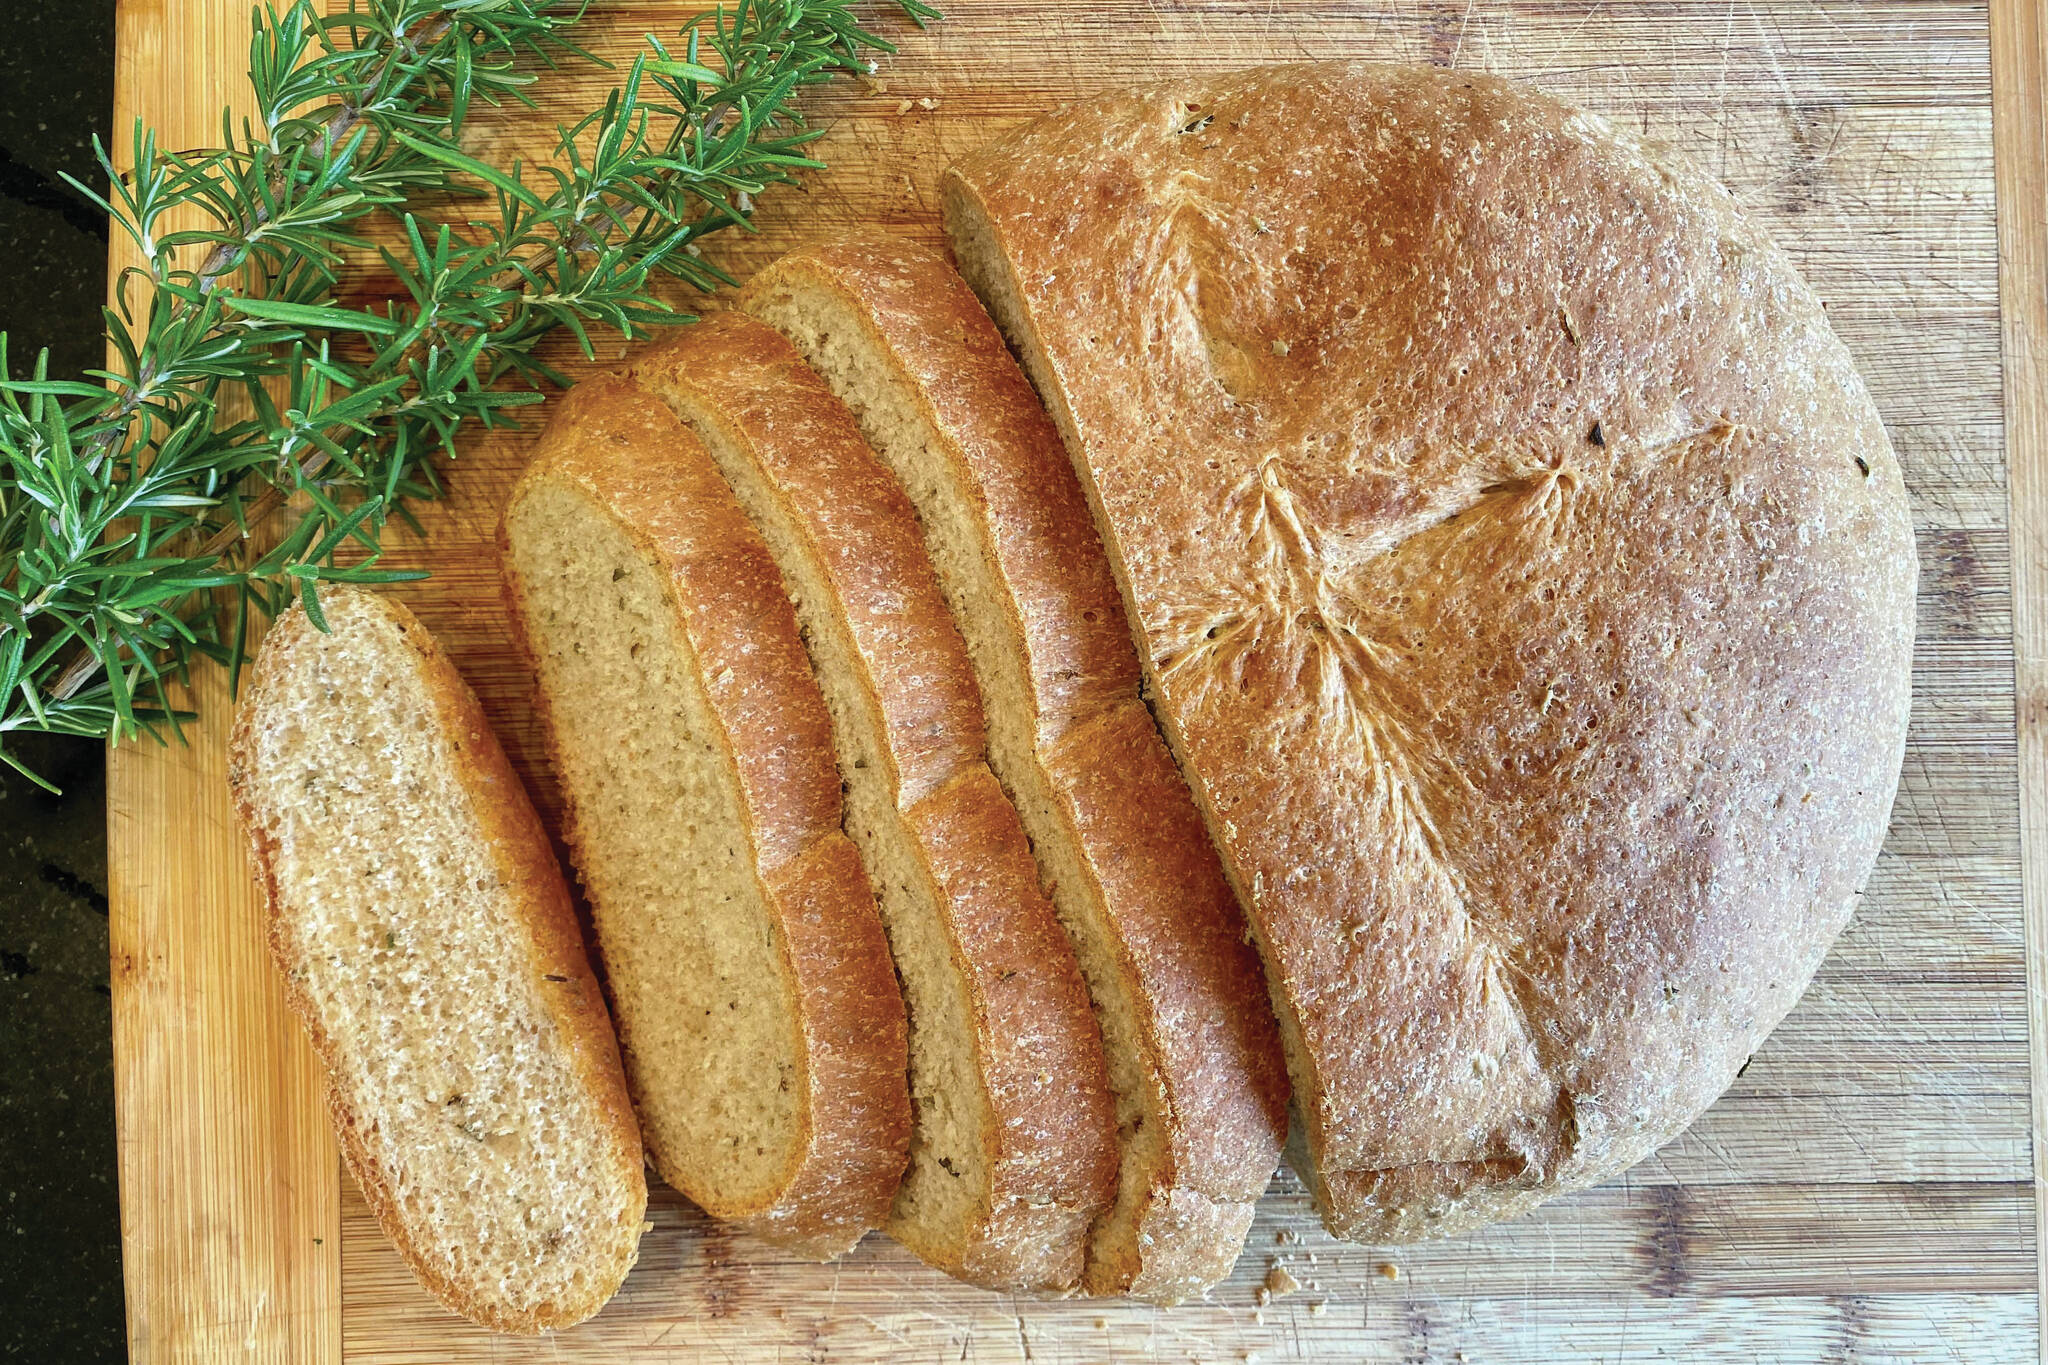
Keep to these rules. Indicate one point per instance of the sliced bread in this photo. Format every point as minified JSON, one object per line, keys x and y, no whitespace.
{"x":1013,"y":1150}
{"x":427,"y":940}
{"x":762,"y":1027}
{"x":1194,"y":1055}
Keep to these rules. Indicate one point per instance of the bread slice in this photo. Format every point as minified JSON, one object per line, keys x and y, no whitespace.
{"x":428,"y":942}
{"x":763,"y":1031}
{"x":1194,"y":1054}
{"x":1524,"y":577}
{"x":1013,"y":1153}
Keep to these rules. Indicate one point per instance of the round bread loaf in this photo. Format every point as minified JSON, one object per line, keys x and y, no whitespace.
{"x":1524,"y":580}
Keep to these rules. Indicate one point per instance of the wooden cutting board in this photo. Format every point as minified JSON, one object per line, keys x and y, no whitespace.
{"x":1864,"y":1192}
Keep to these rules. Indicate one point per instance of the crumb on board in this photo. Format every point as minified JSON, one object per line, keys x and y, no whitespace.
{"x":1280,"y":1281}
{"x":1318,"y":1308}
{"x":903,"y":106}
{"x":927,"y":104}
{"x":1389,"y":1271}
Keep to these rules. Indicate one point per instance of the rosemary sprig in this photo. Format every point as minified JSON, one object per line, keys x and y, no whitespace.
{"x":126,"y":505}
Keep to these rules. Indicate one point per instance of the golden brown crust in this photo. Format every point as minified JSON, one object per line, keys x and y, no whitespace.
{"x":854,"y":1027}
{"x":1209,"y":1046}
{"x":559,"y":968}
{"x":628,"y":453}
{"x":1213,"y":1045}
{"x":1524,"y":574}
{"x":1050,"y":1129}
{"x":1050,"y":1134}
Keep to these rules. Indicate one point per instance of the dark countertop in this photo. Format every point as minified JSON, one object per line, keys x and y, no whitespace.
{"x":60,"y":1245}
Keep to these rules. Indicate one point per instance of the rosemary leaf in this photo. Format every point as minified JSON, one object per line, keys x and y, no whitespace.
{"x":128,"y":506}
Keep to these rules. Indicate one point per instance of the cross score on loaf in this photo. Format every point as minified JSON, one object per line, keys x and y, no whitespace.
{"x":1522,"y":573}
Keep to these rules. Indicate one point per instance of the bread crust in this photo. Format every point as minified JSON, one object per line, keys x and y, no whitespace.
{"x":1524,"y":574}
{"x":630,"y":455}
{"x":1209,"y":1049}
{"x":1048,"y":1129}
{"x":558,"y":968}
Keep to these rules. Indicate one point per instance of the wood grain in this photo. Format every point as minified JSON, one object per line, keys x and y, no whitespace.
{"x":230,"y":1203}
{"x":2019,"y":75}
{"x":1865,"y":1191}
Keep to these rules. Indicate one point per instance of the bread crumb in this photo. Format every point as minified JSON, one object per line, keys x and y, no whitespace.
{"x":871,"y":85}
{"x":1263,"y":1295}
{"x":903,"y":106}
{"x":927,"y":104}
{"x":1280,"y":1281}
{"x":1318,"y":1308}
{"x":1390,"y":1271}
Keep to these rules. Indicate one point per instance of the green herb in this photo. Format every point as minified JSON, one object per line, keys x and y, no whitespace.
{"x":242,"y":376}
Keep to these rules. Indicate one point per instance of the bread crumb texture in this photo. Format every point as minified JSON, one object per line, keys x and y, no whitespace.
{"x":418,"y":944}
{"x":662,"y":845}
{"x":758,"y":1009}
{"x":1523,"y":573}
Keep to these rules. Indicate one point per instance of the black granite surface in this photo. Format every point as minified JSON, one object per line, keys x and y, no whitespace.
{"x":60,"y":1250}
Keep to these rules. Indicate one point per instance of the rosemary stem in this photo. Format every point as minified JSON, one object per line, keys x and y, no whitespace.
{"x":128,"y":547}
{"x":221,"y":258}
